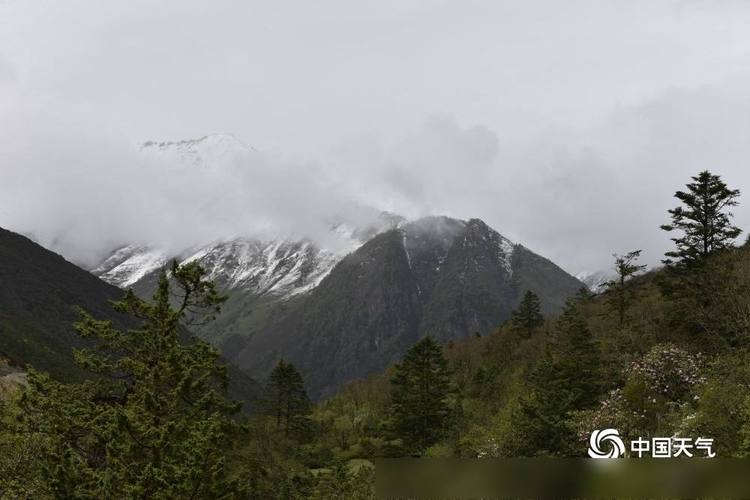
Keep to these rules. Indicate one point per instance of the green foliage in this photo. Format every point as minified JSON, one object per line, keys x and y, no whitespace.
{"x":21,"y":454}
{"x":711,"y":303}
{"x":528,"y":317}
{"x":567,"y":379}
{"x":423,"y":402}
{"x":539,"y":420}
{"x":153,"y":422}
{"x":703,"y":219}
{"x":345,"y":481}
{"x":657,"y":392}
{"x":620,"y":294}
{"x":721,"y":401}
{"x":286,"y":399}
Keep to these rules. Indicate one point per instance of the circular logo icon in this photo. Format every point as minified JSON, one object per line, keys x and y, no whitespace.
{"x":606,"y":443}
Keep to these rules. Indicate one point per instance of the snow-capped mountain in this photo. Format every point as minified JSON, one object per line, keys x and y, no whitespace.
{"x":594,"y":280}
{"x":280,"y":267}
{"x":262,"y":266}
{"x":207,"y":151}
{"x":351,"y":301}
{"x":437,"y":276}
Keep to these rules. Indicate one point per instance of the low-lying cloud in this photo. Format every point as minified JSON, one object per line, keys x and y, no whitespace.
{"x":566,"y":126}
{"x":82,"y":189}
{"x":575,"y":196}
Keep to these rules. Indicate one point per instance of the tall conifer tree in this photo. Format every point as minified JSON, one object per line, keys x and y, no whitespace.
{"x":422,"y":397}
{"x":528,"y":317}
{"x":565,"y":380}
{"x":153,"y":422}
{"x":703,"y":219}
{"x":286,"y":398}
{"x":621,"y":296}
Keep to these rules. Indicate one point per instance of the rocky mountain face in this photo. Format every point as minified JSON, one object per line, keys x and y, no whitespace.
{"x":436,"y":276}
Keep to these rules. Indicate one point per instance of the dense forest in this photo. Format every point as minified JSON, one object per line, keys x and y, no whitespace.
{"x":658,"y":353}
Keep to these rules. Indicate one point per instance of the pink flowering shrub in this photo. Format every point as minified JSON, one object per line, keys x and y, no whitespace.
{"x":657,"y":388}
{"x":668,"y":370}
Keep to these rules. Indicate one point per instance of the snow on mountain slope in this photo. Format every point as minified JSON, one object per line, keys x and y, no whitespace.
{"x":278,"y":267}
{"x":129,"y":264}
{"x":594,"y":279}
{"x":207,"y":151}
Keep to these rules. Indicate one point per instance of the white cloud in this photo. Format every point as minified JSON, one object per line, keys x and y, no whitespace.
{"x":567,"y":126}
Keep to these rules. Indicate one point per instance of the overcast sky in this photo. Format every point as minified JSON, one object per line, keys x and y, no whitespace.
{"x":567,"y":126}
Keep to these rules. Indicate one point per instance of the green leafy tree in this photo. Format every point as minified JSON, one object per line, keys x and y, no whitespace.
{"x":704,"y":220}
{"x":720,"y":398}
{"x":657,"y":394}
{"x":286,"y":399}
{"x":423,"y":400}
{"x":152,"y":421}
{"x":528,"y":317}
{"x":621,"y":296}
{"x":345,"y":482}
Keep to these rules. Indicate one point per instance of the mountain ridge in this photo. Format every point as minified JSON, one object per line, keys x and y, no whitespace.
{"x":400,"y":286}
{"x":39,"y":295}
{"x":452,"y":278}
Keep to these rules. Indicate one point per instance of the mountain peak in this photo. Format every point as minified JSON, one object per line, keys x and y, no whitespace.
{"x":594,"y":280}
{"x":206,"y":140}
{"x":203,"y":151}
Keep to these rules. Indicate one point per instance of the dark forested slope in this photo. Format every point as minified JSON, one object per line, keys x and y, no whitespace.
{"x":39,"y":293}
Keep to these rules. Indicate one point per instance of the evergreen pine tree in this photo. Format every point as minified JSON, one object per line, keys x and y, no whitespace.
{"x":565,"y":380}
{"x":528,"y":317}
{"x":422,"y":397}
{"x":703,"y":219}
{"x":153,"y":421}
{"x":286,"y":398}
{"x":578,"y":359}
{"x":621,"y":296}
{"x":539,"y":420}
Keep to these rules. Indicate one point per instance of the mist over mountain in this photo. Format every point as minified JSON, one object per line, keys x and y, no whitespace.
{"x":340,"y":316}
{"x":174,"y":195}
{"x":549,"y":138}
{"x":395,"y":229}
{"x":404,"y":278}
